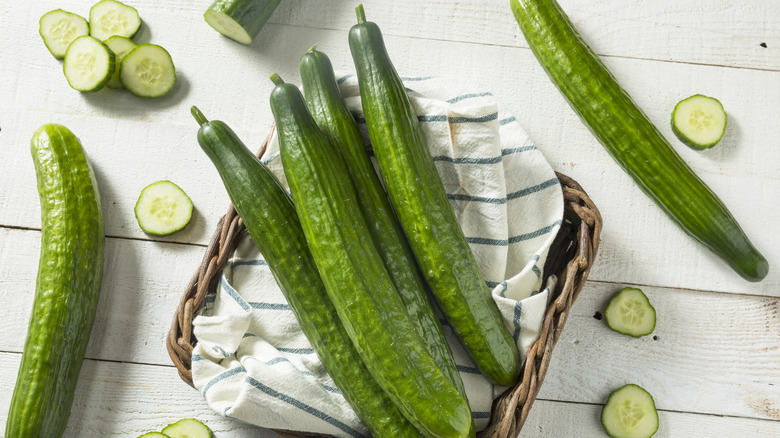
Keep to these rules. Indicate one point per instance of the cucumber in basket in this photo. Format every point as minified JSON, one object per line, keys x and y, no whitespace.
{"x":270,"y":218}
{"x":632,"y":140}
{"x":424,"y":212}
{"x":327,"y":106}
{"x":67,"y":290}
{"x":59,"y":28}
{"x":630,"y":413}
{"x":240,"y":20}
{"x":88,"y":64}
{"x":355,"y":278}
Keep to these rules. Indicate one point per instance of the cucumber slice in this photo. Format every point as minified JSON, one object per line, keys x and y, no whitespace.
{"x":187,"y":428}
{"x":630,"y":413}
{"x":154,"y":435}
{"x":630,"y":313}
{"x":148,"y":71}
{"x":88,"y":64}
{"x":699,"y":121}
{"x":240,"y":20}
{"x":121,"y":46}
{"x":110,"y":17}
{"x":59,"y":28}
{"x":163,"y":208}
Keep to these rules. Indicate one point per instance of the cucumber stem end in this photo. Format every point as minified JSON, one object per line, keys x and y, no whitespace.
{"x":276,"y":79}
{"x":199,"y":117}
{"x":313,"y":48}
{"x":361,"y":14}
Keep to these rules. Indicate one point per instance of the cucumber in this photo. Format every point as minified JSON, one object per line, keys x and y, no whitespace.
{"x":110,"y":17}
{"x":67,"y":290}
{"x":699,"y":121}
{"x":630,"y":413}
{"x":355,"y":278}
{"x":424,"y":212}
{"x":88,"y":64}
{"x":148,"y":71}
{"x":59,"y":28}
{"x":270,"y":218}
{"x":187,"y":428}
{"x":331,"y":114}
{"x":154,"y":435}
{"x":240,"y":20}
{"x":163,"y":209}
{"x":632,"y":140}
{"x":121,"y":46}
{"x":630,"y":313}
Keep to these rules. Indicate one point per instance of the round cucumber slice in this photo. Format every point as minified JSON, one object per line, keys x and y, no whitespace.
{"x":163,"y":209}
{"x":148,"y":71}
{"x":699,"y":121}
{"x":110,"y":17}
{"x":187,"y":428}
{"x":630,"y":313}
{"x":88,"y":64}
{"x":121,"y":46}
{"x":630,"y":413}
{"x":59,"y":28}
{"x":154,"y":435}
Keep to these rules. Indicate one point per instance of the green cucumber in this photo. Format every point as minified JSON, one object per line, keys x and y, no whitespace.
{"x":699,"y":121}
{"x":329,"y":110}
{"x":424,"y":212}
{"x":270,"y":218}
{"x":163,"y":209}
{"x":88,"y":64}
{"x":630,"y":413}
{"x":630,"y":313}
{"x":121,"y":46}
{"x":355,"y":278}
{"x":59,"y":28}
{"x":632,"y":140}
{"x":110,"y":17}
{"x":148,"y":71}
{"x":154,"y":435}
{"x":187,"y":428}
{"x":240,"y":20}
{"x":67,"y":290}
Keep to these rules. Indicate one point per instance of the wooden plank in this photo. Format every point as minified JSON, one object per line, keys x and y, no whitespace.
{"x":123,"y":399}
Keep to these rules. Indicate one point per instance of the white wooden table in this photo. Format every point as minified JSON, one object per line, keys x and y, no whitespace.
{"x":714,"y":362}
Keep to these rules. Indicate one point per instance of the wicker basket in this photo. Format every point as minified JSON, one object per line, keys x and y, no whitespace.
{"x":570,"y":258}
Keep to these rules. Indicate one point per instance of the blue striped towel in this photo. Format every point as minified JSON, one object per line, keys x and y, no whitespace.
{"x":252,"y":362}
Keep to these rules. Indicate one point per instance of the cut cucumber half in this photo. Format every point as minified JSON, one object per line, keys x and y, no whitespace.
{"x":110,"y":17}
{"x":630,"y":313}
{"x":88,"y":64}
{"x":240,"y":20}
{"x":699,"y":121}
{"x":148,"y":71}
{"x":59,"y":28}
{"x":187,"y":428}
{"x":121,"y":46}
{"x":163,"y":209}
{"x":630,"y":413}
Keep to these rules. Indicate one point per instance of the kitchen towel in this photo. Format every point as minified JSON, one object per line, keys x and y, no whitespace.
{"x":252,"y":362}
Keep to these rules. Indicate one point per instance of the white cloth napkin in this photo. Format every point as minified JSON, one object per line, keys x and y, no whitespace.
{"x":252,"y":362}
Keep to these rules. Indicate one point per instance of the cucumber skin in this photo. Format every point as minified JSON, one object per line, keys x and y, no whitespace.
{"x":632,"y":140}
{"x":271,"y":220}
{"x":67,"y":290}
{"x":355,"y":278}
{"x":424,"y":212}
{"x":327,"y":106}
{"x":251,"y":15}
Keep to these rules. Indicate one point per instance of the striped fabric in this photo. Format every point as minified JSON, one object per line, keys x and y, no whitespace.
{"x":253,"y":363}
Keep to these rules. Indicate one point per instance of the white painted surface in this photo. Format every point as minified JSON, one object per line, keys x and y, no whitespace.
{"x":714,"y":369}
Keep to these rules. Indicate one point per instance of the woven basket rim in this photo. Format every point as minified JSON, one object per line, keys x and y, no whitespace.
{"x":570,"y":257}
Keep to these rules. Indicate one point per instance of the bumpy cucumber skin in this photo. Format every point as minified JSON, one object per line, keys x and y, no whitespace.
{"x":70,"y":272}
{"x":632,"y":140}
{"x":357,"y":282}
{"x":270,"y":218}
{"x":426,"y":216}
{"x":327,"y":106}
{"x":684,"y":138}
{"x":251,"y":15}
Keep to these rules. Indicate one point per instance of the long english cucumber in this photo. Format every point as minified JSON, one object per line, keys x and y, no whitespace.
{"x":424,"y":212}
{"x":67,"y":290}
{"x":632,"y":140}
{"x":271,"y":220}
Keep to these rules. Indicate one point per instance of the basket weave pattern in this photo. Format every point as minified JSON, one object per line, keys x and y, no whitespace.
{"x":570,"y":258}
